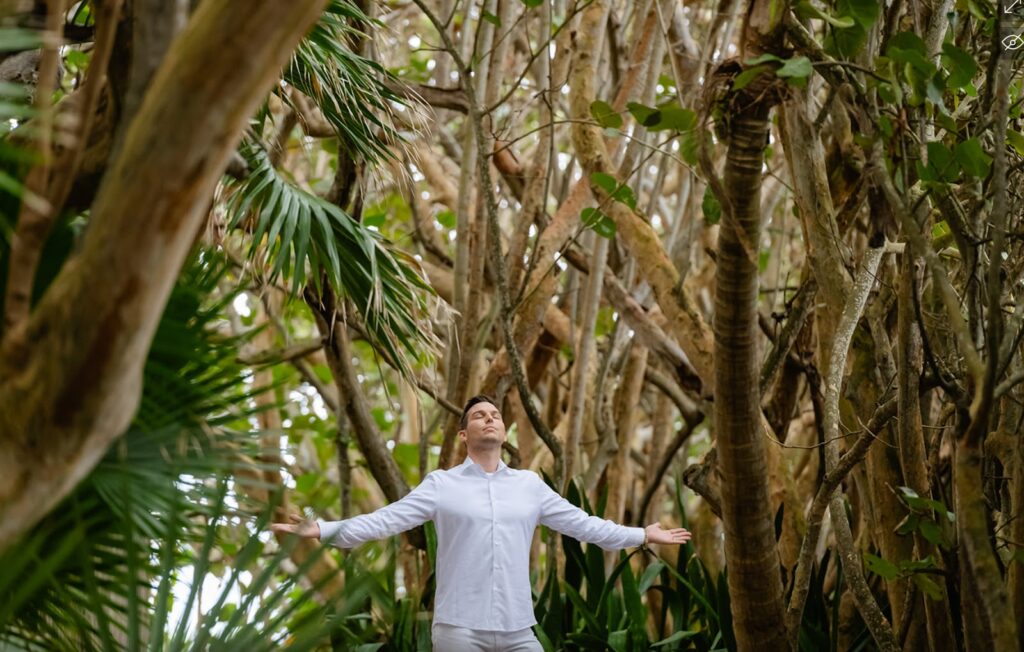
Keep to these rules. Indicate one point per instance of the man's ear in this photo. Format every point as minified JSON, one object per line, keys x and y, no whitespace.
{"x":462,"y":435}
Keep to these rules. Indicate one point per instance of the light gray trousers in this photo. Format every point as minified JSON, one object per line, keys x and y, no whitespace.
{"x":449,"y":638}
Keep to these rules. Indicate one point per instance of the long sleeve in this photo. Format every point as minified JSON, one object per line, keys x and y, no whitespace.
{"x":415,"y":508}
{"x":562,"y":516}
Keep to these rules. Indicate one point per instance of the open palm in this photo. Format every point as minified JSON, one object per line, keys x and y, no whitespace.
{"x":299,"y":526}
{"x":657,"y":534}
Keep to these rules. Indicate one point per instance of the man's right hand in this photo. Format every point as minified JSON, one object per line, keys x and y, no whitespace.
{"x":299,"y":526}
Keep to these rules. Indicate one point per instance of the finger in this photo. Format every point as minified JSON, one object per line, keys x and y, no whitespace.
{"x":295,"y":518}
{"x":282,"y":528}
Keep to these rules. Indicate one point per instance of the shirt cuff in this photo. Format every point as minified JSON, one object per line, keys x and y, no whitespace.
{"x":329,"y":530}
{"x":640,"y":536}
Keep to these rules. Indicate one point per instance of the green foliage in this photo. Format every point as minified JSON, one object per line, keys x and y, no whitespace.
{"x":348,"y":89}
{"x":155,"y":509}
{"x":796,"y":70}
{"x":594,"y":218}
{"x":930,"y":519}
{"x":605,"y":115}
{"x":619,"y":192}
{"x":301,"y":236}
{"x":663,"y":118}
{"x":849,"y":31}
{"x":711,"y":207}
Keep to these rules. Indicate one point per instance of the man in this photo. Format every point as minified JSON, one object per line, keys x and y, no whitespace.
{"x":485,"y":514}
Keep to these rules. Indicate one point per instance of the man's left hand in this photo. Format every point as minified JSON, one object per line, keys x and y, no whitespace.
{"x":656,"y":534}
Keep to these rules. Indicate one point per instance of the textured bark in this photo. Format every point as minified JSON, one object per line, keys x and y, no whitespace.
{"x":64,"y":401}
{"x":154,"y":25}
{"x":633,"y":231}
{"x":585,"y":351}
{"x":910,"y":438}
{"x":755,"y":586}
{"x":619,"y":471}
{"x":882,"y":470}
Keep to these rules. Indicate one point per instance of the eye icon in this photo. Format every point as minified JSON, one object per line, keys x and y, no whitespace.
{"x":1013,"y":42}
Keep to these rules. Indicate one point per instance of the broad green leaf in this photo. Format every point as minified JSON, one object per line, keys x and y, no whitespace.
{"x":532,"y":3}
{"x":619,"y":640}
{"x":650,"y":574}
{"x":645,"y":115}
{"x":961,"y":66}
{"x":1016,"y":140}
{"x":882,"y":567}
{"x":305,"y":482}
{"x":675,"y":118}
{"x":932,"y":531}
{"x":619,"y":192}
{"x":491,"y":18}
{"x":927,"y":585}
{"x":764,"y":58}
{"x":743,"y":79}
{"x":863,"y":12}
{"x":689,"y":144}
{"x":711,"y":207}
{"x":942,"y":165}
{"x":797,"y":70}
{"x":934,"y":90}
{"x":972,"y":158}
{"x":605,"y":115}
{"x":908,"y":524}
{"x":594,"y":219}
{"x":847,"y":42}
{"x":806,"y":9}
{"x":908,"y":48}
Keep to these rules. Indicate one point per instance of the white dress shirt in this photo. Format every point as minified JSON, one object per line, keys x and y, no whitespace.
{"x":485,"y":523}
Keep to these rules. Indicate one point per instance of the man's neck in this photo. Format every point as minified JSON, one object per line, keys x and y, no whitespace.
{"x":487,"y":459}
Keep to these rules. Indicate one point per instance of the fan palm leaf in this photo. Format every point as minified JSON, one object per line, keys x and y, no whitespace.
{"x":299,"y":235}
{"x":76,"y":579}
{"x":348,"y":89}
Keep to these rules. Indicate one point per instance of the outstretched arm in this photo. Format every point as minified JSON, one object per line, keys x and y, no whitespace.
{"x":414,"y":509}
{"x":562,"y":516}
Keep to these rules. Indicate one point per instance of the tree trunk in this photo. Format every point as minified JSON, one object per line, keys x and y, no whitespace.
{"x":65,"y":398}
{"x":755,"y":585}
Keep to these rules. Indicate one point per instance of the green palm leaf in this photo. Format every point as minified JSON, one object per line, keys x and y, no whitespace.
{"x":81,"y":579}
{"x":348,"y":89}
{"x":297,"y":234}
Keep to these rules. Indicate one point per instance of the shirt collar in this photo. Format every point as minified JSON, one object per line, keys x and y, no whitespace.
{"x":469,"y":464}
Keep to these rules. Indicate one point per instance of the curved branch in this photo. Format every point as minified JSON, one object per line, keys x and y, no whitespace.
{"x":876,"y":622}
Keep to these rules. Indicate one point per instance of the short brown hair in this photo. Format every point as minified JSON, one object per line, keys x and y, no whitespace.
{"x":479,"y":398}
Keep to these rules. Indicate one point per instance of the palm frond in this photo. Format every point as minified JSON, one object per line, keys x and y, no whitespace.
{"x":298,"y":235}
{"x":75,"y":581}
{"x":348,"y":89}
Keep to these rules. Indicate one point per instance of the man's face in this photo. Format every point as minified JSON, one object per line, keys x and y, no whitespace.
{"x":484,"y":427}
